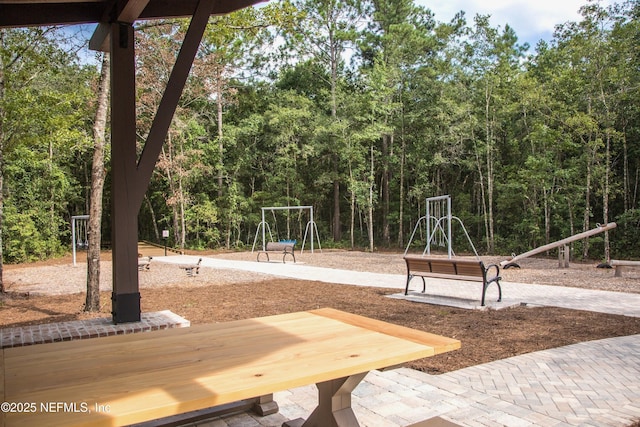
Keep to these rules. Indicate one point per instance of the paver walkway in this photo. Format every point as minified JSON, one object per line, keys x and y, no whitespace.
{"x":588,"y":384}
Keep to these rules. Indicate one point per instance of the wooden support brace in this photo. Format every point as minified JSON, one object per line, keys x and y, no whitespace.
{"x":265,"y":405}
{"x":334,"y":404}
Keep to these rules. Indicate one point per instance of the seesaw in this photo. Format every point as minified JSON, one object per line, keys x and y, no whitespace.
{"x":511,"y":262}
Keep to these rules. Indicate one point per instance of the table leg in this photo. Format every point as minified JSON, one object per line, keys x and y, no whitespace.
{"x":265,"y":405}
{"x":334,"y":404}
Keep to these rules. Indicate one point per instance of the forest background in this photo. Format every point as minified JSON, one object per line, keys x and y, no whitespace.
{"x":362,"y":109}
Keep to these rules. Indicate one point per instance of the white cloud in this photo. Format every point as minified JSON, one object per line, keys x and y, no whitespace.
{"x":531,"y":20}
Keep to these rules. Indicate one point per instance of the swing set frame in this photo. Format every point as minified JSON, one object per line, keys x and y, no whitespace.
{"x":439,"y":205}
{"x":264,"y":227}
{"x":75,"y":221}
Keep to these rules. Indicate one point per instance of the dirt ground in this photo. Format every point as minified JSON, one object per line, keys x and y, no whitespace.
{"x":52,"y":291}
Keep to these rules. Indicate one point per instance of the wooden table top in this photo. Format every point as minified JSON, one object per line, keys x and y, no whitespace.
{"x":131,"y":378}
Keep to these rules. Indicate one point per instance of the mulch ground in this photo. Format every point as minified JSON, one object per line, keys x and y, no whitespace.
{"x":485,"y":335}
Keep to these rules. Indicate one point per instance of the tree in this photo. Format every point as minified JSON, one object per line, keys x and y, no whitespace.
{"x":587,"y":50}
{"x":323,"y":37}
{"x":42,"y":131}
{"x":400,"y":38}
{"x":495,"y":62}
{"x":92,"y":302}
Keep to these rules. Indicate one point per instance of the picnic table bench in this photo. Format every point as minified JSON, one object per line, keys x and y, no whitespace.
{"x":452,"y":268}
{"x":284,"y":247}
{"x":133,"y":378}
{"x":620,"y":265}
{"x":191,"y":269}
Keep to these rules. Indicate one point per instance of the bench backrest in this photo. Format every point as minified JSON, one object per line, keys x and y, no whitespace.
{"x":444,"y":266}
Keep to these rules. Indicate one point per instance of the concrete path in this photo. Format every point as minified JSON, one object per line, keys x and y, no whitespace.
{"x":588,"y":384}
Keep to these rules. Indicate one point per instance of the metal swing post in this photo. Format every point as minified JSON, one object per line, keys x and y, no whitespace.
{"x":74,"y":240}
{"x":311,"y":224}
{"x":264,"y":226}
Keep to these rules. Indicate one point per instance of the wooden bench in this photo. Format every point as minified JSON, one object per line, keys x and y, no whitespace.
{"x":144,"y":263}
{"x":620,"y":265}
{"x":191,"y":269}
{"x":452,"y":268}
{"x":134,"y":378}
{"x":285,"y":248}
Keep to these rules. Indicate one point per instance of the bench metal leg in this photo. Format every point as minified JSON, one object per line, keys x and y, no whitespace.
{"x":334,"y":404}
{"x":485,"y":286}
{"x":411,"y":276}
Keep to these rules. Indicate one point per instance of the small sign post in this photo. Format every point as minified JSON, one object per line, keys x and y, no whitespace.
{"x":165,"y":236}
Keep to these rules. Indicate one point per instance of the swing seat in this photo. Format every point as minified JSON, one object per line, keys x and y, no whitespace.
{"x":284,"y":247}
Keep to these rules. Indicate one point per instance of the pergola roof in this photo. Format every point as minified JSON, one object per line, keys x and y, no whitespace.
{"x":26,"y":13}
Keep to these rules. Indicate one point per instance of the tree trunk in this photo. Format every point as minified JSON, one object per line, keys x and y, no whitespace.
{"x":2,"y":290}
{"x":483,"y":199}
{"x":337,"y":226}
{"x":587,"y":211}
{"x":219,"y":113}
{"x":2,"y":115}
{"x":352,"y":225}
{"x":605,"y":196}
{"x":182,"y":201}
{"x":403,"y":147}
{"x":387,"y":144}
{"x":490,"y":166}
{"x":171,"y":200}
{"x":154,"y":221}
{"x":370,"y":220}
{"x":625,"y":166}
{"x":92,"y":302}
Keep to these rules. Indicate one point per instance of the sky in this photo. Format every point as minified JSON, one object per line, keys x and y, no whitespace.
{"x":532,"y":20}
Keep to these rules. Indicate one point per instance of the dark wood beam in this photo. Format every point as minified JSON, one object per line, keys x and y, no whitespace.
{"x":129,"y":13}
{"x":29,"y":13}
{"x":124,"y":216}
{"x":35,"y":15}
{"x":131,"y":177}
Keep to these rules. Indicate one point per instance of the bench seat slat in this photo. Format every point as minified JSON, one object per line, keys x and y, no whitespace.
{"x":451,"y":277}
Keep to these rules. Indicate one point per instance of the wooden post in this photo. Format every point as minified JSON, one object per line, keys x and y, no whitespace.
{"x":124,"y":209}
{"x":130,"y":177}
{"x":563,"y":256}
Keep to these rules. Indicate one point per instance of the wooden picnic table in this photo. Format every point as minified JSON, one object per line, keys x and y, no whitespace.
{"x":131,"y":378}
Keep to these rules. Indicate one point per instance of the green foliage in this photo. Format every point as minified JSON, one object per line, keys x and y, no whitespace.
{"x":627,"y":236}
{"x":360,"y":108}
{"x":203,"y":224}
